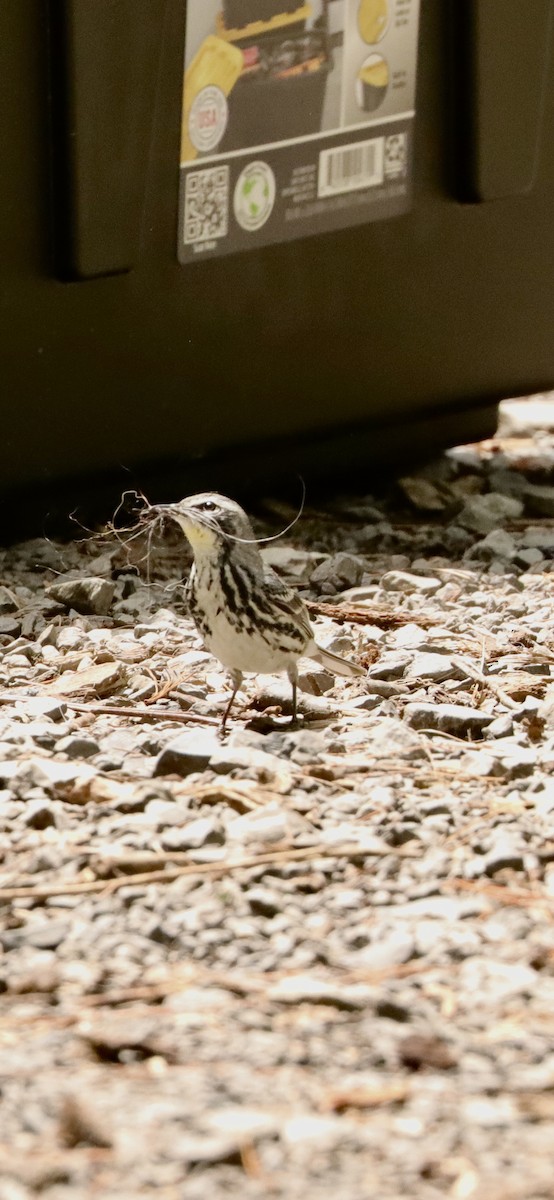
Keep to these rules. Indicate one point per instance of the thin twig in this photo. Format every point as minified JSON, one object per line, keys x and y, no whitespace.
{"x":367,"y":616}
{"x":305,"y":854}
{"x":119,"y":710}
{"x":503,"y":893}
{"x":478,"y":675}
{"x":238,"y":984}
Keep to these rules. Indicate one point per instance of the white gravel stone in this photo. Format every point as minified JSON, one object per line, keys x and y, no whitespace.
{"x":431,"y":666}
{"x":189,"y":752}
{"x":300,"y":989}
{"x":522,"y":418}
{"x":44,"y":706}
{"x":392,"y":738}
{"x":403,"y":581}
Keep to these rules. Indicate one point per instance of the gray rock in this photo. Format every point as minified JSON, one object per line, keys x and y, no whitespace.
{"x":457,"y":719}
{"x":519,"y":762}
{"x":341,"y":571}
{"x":189,"y":752}
{"x":501,"y":727}
{"x":509,"y":483}
{"x":478,"y":762}
{"x":42,"y":733}
{"x":544,"y":799}
{"x":538,"y":538}
{"x":507,"y":851}
{"x":203,"y":831}
{"x":465,"y":456}
{"x":33,"y":971}
{"x":247,"y":1124}
{"x":52,"y":776}
{"x":77,"y":745}
{"x":267,"y":825}
{"x":497,"y":544}
{"x":288,"y":559}
{"x":409,"y":637}
{"x":481,"y":514}
{"x":457,"y":540}
{"x":390,"y":665}
{"x":10,"y":627}
{"x":366,"y":703}
{"x":403,"y":581}
{"x":392,"y":738}
{"x":264,"y":901}
{"x":248,"y":758}
{"x":47,"y":935}
{"x":91,"y":596}
{"x":368,"y":535}
{"x":492,"y":981}
{"x":300,"y":745}
{"x":390,"y":951}
{"x":202,"y":1150}
{"x":307,"y":989}
{"x":46,"y":707}
{"x":427,"y":665}
{"x":8,"y":602}
{"x":539,"y":499}
{"x":162,"y":813}
{"x":422,"y":494}
{"x":315,"y":680}
{"x":39,"y":813}
{"x":380,"y":689}
{"x":529,"y":556}
{"x":546,"y":708}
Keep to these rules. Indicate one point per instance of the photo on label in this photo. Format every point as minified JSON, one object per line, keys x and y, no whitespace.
{"x":378,"y":60}
{"x":372,"y":83}
{"x":373,"y":19}
{"x":256,"y":73}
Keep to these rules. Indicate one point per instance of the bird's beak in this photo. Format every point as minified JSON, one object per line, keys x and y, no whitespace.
{"x":199,"y":536}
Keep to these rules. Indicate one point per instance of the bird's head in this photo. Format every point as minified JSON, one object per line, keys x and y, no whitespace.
{"x":207,"y":520}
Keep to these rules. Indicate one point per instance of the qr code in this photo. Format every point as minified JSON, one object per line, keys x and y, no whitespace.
{"x":396,"y":155}
{"x":206,"y":204}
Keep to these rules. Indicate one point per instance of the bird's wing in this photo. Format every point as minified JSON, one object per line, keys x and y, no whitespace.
{"x":287,"y":600}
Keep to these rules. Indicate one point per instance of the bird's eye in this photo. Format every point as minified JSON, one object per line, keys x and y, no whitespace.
{"x":207,"y":506}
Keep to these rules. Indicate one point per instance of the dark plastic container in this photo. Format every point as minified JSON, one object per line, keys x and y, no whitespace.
{"x":323,"y":354}
{"x":238,"y":13}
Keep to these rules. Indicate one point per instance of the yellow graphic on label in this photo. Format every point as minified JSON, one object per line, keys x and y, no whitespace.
{"x":373,"y":18}
{"x":214,"y":70}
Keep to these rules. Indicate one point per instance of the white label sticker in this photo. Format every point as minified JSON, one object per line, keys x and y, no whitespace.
{"x":297,"y":119}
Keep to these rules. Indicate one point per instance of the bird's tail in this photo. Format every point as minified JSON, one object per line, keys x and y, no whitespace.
{"x":336,"y":664}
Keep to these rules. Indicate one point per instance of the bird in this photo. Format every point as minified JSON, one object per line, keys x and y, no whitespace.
{"x":248,"y":617}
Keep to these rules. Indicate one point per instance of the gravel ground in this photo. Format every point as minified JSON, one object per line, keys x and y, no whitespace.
{"x":305,"y":963}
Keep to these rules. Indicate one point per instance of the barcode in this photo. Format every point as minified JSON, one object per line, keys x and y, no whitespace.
{"x":359,"y":165}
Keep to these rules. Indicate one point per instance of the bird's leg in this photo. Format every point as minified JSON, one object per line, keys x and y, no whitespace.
{"x":236,"y":680}
{"x":293,"y":676}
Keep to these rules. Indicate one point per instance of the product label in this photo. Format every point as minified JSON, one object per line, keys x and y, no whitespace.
{"x":297,"y":119}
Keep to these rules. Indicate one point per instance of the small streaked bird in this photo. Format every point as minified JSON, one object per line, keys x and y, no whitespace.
{"x":248,"y":617}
